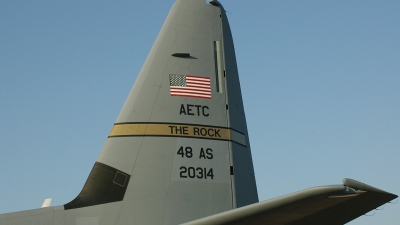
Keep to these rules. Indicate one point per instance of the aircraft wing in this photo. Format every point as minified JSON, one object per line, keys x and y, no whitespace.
{"x":330,"y":205}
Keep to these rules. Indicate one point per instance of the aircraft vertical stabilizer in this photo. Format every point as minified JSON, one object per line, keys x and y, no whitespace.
{"x":179,"y":148}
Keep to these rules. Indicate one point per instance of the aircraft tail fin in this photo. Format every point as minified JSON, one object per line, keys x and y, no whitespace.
{"x":179,"y":148}
{"x":46,"y":203}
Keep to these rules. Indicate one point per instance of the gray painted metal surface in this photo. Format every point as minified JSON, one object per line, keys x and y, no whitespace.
{"x":179,"y":150}
{"x":331,"y":205}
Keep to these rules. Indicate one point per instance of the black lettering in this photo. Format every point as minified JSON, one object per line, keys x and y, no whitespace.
{"x":188,"y":152}
{"x":203,"y":132}
{"x":206,"y":114}
{"x":216,"y":134}
{"x":191,"y":172}
{"x":196,"y":131}
{"x":200,"y":172}
{"x":172,"y":129}
{"x":185,"y":130}
{"x":178,"y":130}
{"x":182,"y":111}
{"x":183,"y":171}
{"x":180,"y":151}
{"x":189,"y":110}
{"x":198,"y":109}
{"x":202,"y":154}
{"x":210,"y":173}
{"x":209,"y":153}
{"x":209,"y":132}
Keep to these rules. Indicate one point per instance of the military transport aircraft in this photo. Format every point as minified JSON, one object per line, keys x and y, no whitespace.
{"x":179,"y":150}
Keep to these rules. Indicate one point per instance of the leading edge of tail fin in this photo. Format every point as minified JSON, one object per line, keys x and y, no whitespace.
{"x":179,"y":149}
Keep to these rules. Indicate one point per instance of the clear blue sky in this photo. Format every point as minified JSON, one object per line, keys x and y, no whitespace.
{"x":320,"y":82}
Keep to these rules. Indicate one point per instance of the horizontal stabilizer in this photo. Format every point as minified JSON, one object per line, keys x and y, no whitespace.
{"x":332,"y":205}
{"x":46,"y":203}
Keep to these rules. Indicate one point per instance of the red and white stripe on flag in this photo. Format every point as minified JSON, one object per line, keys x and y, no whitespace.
{"x":190,"y":86}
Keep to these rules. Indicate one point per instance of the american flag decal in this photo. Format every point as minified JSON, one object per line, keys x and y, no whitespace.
{"x":190,"y":86}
